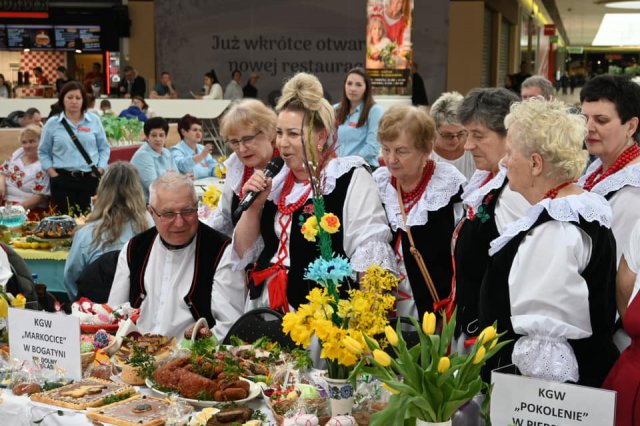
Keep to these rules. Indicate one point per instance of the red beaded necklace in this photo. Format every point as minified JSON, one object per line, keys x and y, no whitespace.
{"x":625,"y":158}
{"x":286,"y":190}
{"x":553,"y":192}
{"x":410,"y":199}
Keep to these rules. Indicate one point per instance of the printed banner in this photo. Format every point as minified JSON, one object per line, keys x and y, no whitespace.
{"x":389,"y":47}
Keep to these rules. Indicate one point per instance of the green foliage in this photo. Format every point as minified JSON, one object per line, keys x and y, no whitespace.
{"x":115,"y":398}
{"x":424,"y":392}
{"x":145,"y":362}
{"x":122,"y":129}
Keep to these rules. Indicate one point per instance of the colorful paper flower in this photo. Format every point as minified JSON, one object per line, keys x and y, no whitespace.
{"x":330,"y":223}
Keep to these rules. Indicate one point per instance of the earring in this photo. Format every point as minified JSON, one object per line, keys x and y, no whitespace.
{"x":319,"y":146}
{"x":630,"y":142}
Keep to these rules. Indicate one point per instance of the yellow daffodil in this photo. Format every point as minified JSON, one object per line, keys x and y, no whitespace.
{"x":220,"y":171}
{"x":330,"y":223}
{"x":19,"y":301}
{"x":352,"y":345}
{"x":310,"y":228}
{"x":211,"y":197}
{"x":390,"y":389}
{"x":4,"y":307}
{"x":444,"y":364}
{"x":487,"y":335}
{"x":429,"y":323}
{"x":392,"y":336}
{"x":382,"y":357}
{"x":479,"y":355}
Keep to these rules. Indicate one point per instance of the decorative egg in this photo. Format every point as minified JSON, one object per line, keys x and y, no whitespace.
{"x":101,"y":339}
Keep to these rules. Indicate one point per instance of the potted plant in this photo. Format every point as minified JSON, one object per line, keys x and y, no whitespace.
{"x":121,"y":130}
{"x":428,"y":383}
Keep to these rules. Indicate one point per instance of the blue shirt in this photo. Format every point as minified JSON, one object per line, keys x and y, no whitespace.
{"x":57,"y":150}
{"x":150,"y":165}
{"x":83,"y":252}
{"x":361,"y":141}
{"x":183,"y":156}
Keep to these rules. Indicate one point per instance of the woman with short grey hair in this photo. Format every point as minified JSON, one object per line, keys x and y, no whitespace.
{"x":490,"y":204}
{"x":451,"y":135}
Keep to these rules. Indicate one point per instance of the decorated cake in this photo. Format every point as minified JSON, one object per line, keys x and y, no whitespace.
{"x":135,"y":411}
{"x":89,"y":392}
{"x":55,"y":227}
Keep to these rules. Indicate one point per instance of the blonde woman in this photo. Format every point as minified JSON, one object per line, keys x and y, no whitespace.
{"x":550,"y":283}
{"x":22,"y":180}
{"x":249,"y":129}
{"x":119,"y":213}
{"x":268,"y":233}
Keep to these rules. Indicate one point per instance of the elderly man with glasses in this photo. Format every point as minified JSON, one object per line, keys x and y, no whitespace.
{"x":179,"y":270}
{"x":451,"y":135}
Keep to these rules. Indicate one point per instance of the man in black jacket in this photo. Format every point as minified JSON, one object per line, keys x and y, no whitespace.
{"x":132,"y":84}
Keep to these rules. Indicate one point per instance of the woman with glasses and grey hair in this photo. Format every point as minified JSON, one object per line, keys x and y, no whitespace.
{"x":451,"y":134}
{"x":249,"y":128}
{"x":489,"y":202}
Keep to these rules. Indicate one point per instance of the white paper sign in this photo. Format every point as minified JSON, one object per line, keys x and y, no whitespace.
{"x":49,"y":340}
{"x":524,"y":401}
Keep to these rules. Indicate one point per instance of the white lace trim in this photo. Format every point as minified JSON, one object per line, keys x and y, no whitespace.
{"x":474,"y":193}
{"x":374,"y":252}
{"x":235,"y":170}
{"x":629,"y":175}
{"x":444,"y":184}
{"x":546,"y":358}
{"x":590,"y":206}
{"x":333,"y":171}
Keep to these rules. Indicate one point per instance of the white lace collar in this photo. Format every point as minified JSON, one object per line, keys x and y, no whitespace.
{"x":475,"y":192}
{"x":629,"y":175}
{"x":444,"y":184}
{"x":589,"y":206}
{"x":235,"y":170}
{"x":332,"y":172}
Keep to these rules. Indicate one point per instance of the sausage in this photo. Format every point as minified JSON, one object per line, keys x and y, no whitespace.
{"x":234,"y":394}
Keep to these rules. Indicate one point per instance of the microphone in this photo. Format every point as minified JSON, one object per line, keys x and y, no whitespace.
{"x":273,"y":168}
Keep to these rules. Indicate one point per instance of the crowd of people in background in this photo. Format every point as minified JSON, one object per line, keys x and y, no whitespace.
{"x":482,"y":186}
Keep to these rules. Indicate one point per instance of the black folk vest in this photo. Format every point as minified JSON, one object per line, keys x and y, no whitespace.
{"x":301,"y":251}
{"x":210,"y":245}
{"x":595,"y":354}
{"x":433,"y":241}
{"x":471,"y":254}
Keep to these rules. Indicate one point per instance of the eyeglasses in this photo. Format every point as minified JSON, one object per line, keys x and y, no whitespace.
{"x":245,"y":141}
{"x":451,"y":136}
{"x":171,"y":216}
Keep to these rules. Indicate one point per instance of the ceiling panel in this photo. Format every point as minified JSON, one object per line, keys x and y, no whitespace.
{"x":582,"y":18}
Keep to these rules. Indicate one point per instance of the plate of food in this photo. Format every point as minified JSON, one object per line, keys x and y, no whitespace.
{"x":160,"y":347}
{"x":139,"y":410}
{"x":89,"y":392}
{"x":198,"y":390}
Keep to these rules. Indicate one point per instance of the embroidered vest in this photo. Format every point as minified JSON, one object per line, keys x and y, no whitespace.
{"x":595,"y":354}
{"x":471,"y":256}
{"x":301,"y":251}
{"x":210,"y":245}
{"x":433,"y":241}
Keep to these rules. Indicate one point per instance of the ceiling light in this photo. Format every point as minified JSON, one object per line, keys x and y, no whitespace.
{"x":624,"y":4}
{"x":618,"y":29}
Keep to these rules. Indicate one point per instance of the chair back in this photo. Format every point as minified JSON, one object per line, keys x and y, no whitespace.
{"x":96,"y":278}
{"x":256,"y":324}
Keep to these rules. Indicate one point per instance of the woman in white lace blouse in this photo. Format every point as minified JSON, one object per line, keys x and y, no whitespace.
{"x":550,"y":283}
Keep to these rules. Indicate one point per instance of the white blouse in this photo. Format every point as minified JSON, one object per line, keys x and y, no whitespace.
{"x":510,"y":206}
{"x":625,"y":215}
{"x":632,"y":256}
{"x":549,"y":298}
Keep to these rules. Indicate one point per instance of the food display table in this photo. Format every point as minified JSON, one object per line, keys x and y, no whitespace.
{"x":21,"y":411}
{"x":49,"y":265}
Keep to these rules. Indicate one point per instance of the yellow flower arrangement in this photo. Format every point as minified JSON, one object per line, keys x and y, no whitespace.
{"x":340,"y":324}
{"x":330,"y":223}
{"x":220,"y":170}
{"x":211,"y":197}
{"x":426,"y":381}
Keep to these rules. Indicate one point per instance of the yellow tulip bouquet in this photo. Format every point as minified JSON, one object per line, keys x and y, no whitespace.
{"x":426,"y":381}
